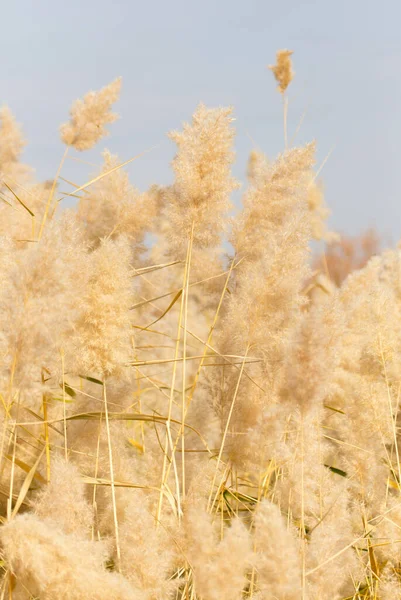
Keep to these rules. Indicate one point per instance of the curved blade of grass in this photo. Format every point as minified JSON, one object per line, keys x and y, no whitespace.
{"x":170,"y":306}
{"x":26,"y":485}
{"x":19,"y":199}
{"x":25,"y":467}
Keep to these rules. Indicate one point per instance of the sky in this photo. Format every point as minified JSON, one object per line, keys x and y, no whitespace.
{"x":173,"y":54}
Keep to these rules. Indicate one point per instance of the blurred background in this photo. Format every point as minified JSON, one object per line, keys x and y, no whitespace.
{"x":172,"y":55}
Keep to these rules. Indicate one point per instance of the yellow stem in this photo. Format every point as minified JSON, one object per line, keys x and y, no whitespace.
{"x":113,"y":489}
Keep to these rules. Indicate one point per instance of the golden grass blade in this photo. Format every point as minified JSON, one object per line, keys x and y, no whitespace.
{"x":26,"y":485}
{"x":19,"y":199}
{"x":170,"y":306}
{"x":92,"y":181}
{"x":25,"y":467}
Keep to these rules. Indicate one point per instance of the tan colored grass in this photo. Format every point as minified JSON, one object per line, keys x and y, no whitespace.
{"x":177,"y":423}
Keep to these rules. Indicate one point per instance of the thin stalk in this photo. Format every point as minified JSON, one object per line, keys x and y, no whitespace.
{"x":285,"y":116}
{"x":207,"y":345}
{"x":94,"y":503}
{"x":184,"y":353}
{"x":47,"y":441}
{"x":169,"y":440}
{"x":64,"y":408}
{"x":113,"y":489}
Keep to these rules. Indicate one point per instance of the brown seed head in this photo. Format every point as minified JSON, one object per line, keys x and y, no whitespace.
{"x":282,"y":70}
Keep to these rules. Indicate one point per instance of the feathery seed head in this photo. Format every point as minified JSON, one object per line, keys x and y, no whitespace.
{"x":89,"y":117}
{"x":282,"y":70}
{"x":203,"y":181}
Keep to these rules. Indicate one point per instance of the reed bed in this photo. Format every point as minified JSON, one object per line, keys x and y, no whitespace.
{"x":179,"y":420}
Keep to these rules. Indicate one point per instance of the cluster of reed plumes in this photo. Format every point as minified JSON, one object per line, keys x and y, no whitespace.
{"x":181,"y":421}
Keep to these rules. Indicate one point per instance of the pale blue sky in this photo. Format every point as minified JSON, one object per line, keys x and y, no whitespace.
{"x":174,"y":53}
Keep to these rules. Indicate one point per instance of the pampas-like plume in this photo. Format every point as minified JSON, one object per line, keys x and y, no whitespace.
{"x":219,"y":567}
{"x":63,"y":501}
{"x":7,"y":265}
{"x":200,"y":194}
{"x":282,"y":70}
{"x":12,"y":144}
{"x":148,"y":552}
{"x":101,"y":344}
{"x":114,"y":207}
{"x":277,"y":555}
{"x":89,"y":117}
{"x":319,"y":213}
{"x":276,"y":190}
{"x":54,"y":566}
{"x":271,"y":237}
{"x":38,"y":311}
